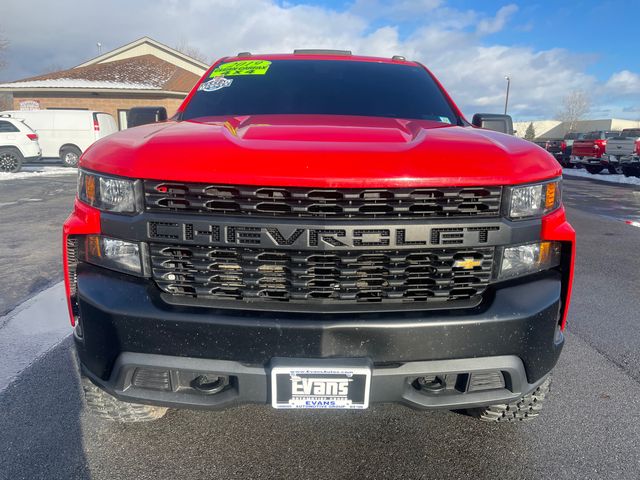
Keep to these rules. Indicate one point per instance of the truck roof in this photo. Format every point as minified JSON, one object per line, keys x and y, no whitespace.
{"x":320,"y":55}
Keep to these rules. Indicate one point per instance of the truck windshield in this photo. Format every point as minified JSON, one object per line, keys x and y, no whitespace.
{"x":630,"y":133}
{"x":324,"y":87}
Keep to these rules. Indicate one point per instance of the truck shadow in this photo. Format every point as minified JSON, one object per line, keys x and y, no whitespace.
{"x":40,"y":430}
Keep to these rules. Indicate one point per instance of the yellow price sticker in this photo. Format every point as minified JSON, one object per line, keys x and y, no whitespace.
{"x":242,"y":67}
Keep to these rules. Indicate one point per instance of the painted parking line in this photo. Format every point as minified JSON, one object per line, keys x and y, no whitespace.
{"x":31,"y":330}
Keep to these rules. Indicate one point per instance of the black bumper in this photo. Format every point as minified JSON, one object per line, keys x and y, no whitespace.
{"x":125,"y":325}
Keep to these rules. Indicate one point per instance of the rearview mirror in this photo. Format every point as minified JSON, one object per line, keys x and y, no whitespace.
{"x":143,"y":115}
{"x":494,"y":121}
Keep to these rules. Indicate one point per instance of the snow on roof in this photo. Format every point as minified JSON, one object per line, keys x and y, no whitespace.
{"x":79,"y":83}
{"x":145,"y":72}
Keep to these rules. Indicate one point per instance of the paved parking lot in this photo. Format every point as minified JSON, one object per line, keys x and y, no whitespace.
{"x":589,"y":429}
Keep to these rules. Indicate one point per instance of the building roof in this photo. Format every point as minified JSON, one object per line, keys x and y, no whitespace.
{"x":149,"y":45}
{"x":143,"y":65}
{"x":554,"y":129}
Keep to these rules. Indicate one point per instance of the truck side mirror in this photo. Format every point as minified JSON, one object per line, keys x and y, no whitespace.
{"x":143,"y":115}
{"x":494,"y":121}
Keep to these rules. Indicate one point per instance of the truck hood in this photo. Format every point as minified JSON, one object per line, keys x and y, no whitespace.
{"x":320,"y":151}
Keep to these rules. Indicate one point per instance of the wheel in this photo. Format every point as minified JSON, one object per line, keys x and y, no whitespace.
{"x":70,"y":156}
{"x":594,"y":169}
{"x":523,"y":410}
{"x":107,"y":407}
{"x":10,"y":160}
{"x":615,"y":170}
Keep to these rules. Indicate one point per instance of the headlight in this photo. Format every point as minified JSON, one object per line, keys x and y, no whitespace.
{"x":112,"y":253}
{"x":107,"y":193}
{"x":530,"y":258}
{"x":530,"y":201}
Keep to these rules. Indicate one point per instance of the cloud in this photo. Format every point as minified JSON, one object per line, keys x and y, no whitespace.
{"x":624,"y":83}
{"x":497,"y":23}
{"x":454,"y":43}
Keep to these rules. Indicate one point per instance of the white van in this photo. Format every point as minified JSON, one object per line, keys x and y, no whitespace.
{"x":66,"y":133}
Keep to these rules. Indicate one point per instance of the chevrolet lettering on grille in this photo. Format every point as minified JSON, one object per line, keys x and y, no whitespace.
{"x":327,"y":237}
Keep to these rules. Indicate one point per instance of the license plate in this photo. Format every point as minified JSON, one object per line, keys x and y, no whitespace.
{"x":320,"y":387}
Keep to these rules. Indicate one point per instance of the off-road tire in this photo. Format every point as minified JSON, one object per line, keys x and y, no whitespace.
{"x":107,"y":407}
{"x":525,"y":409}
{"x":594,"y":169}
{"x":631,"y":171}
{"x":10,"y":160}
{"x":70,"y":156}
{"x":615,"y":170}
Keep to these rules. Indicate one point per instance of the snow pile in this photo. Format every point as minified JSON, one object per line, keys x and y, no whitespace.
{"x":603,"y":177}
{"x":32,"y":172}
{"x":79,"y":83}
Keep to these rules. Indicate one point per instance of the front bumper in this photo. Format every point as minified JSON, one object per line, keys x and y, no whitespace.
{"x":126,"y":325}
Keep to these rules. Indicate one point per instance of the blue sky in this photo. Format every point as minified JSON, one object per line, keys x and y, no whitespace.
{"x":602,"y":34}
{"x":549,"y":48}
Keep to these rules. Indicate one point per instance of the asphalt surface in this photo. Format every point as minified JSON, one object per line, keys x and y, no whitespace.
{"x":32,"y":212}
{"x":589,"y":429}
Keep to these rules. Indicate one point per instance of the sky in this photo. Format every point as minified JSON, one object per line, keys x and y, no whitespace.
{"x":549,"y":48}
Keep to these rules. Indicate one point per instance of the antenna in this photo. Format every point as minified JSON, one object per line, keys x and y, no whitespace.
{"x":99,"y":45}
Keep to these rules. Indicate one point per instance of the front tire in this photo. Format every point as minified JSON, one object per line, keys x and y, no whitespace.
{"x":107,"y":407}
{"x":10,"y":160}
{"x":70,"y":156}
{"x":594,"y":169}
{"x":615,"y":170}
{"x":525,"y":409}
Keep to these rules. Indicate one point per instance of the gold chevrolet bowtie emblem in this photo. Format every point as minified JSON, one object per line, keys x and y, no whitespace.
{"x":467,"y":263}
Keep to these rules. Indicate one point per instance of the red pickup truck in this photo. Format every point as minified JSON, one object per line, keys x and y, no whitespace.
{"x":317,"y":231}
{"x":590,"y":151}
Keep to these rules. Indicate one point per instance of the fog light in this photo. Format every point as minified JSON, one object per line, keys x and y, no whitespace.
{"x":113,"y":253}
{"x":530,"y":258}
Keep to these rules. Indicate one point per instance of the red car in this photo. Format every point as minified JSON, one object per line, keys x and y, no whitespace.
{"x":590,"y":150}
{"x":317,"y":230}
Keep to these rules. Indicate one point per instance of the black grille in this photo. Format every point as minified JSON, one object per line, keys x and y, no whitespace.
{"x":296,"y":202}
{"x":285,"y":277}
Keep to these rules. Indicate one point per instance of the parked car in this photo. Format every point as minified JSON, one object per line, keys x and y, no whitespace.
{"x":621,"y":147}
{"x":552,"y":146}
{"x":566,"y":146}
{"x":313,"y":233}
{"x":66,"y":133}
{"x":590,"y":151}
{"x":18,"y":143}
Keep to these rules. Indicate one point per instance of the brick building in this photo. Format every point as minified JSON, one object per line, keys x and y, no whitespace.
{"x":141,"y":73}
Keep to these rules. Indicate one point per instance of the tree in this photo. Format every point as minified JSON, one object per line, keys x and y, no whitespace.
{"x":194,"y":52}
{"x":530,"y":134}
{"x":574,"y":107}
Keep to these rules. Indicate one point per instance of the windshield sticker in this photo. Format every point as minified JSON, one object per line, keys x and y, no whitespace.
{"x":215,"y":84}
{"x":242,"y":67}
{"x":445,"y":120}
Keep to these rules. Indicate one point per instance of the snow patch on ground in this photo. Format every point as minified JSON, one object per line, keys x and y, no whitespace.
{"x":604,"y":177}
{"x":31,"y":330}
{"x":39,"y":171}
